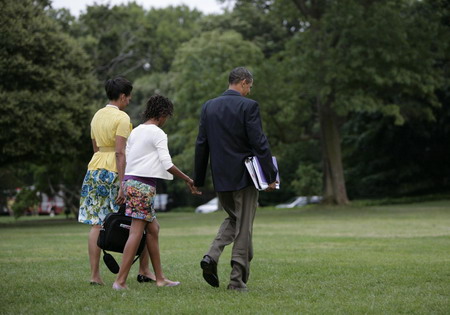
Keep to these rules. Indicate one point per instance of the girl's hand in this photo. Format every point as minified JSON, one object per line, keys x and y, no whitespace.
{"x":194,"y":190}
{"x":120,"y":197}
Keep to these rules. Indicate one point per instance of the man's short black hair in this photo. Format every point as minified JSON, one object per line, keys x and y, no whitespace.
{"x":157,"y":106}
{"x":116,"y":86}
{"x":238,"y":74}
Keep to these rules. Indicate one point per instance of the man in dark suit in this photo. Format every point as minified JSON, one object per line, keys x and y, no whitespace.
{"x":230,"y":130}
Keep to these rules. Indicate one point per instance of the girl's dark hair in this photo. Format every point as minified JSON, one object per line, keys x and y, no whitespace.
{"x":116,"y":86}
{"x":157,"y":106}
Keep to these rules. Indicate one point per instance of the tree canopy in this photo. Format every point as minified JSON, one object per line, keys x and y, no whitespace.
{"x":354,"y":95}
{"x":45,"y":86}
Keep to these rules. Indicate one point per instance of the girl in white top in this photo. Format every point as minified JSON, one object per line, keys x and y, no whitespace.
{"x":148,"y":158}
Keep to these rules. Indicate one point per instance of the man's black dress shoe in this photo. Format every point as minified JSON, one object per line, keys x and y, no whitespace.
{"x":142,"y":278}
{"x":209,"y":267}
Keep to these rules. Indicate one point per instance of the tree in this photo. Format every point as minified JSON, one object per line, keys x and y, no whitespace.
{"x":130,"y":41}
{"x":26,"y":201}
{"x":385,"y":159}
{"x":166,"y":29}
{"x":268,"y":24}
{"x":364,"y":56}
{"x":45,"y":86}
{"x":110,"y":35}
{"x":309,"y":180}
{"x":388,"y":160}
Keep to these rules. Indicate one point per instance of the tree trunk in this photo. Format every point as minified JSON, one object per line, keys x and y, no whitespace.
{"x":334,"y":183}
{"x":334,"y":191}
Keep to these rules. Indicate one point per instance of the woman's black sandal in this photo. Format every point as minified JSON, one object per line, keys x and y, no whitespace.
{"x":142,"y":278}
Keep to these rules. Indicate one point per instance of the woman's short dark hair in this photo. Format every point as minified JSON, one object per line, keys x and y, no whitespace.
{"x":157,"y":106}
{"x":116,"y":86}
{"x":238,"y":74}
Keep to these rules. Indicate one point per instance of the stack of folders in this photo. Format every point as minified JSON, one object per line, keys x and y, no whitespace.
{"x":257,"y":175}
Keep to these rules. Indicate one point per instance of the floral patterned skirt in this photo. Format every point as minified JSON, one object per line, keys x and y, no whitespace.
{"x":140,"y":199}
{"x":98,"y":194}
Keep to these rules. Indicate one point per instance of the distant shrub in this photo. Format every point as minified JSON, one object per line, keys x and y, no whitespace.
{"x":26,"y":199}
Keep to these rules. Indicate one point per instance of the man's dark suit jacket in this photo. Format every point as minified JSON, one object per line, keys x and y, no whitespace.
{"x":230,"y":130}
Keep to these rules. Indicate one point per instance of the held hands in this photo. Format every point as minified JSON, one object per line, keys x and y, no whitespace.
{"x":175,"y":171}
{"x":194,"y":189}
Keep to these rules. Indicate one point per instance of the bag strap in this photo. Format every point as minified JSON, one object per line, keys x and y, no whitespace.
{"x":122,"y":209}
{"x":111,"y":262}
{"x":135,"y":259}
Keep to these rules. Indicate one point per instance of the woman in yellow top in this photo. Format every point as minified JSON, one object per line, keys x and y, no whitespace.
{"x":101,"y":192}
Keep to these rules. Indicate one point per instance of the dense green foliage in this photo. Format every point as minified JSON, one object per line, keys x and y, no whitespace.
{"x":26,"y":201}
{"x":354,"y":95}
{"x":131,"y":41}
{"x":314,"y":260}
{"x":45,"y":86}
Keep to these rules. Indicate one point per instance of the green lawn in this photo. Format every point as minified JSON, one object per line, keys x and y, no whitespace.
{"x":313,"y":260}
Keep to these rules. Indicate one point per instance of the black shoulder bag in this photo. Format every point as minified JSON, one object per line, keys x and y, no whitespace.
{"x":114,"y":235}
